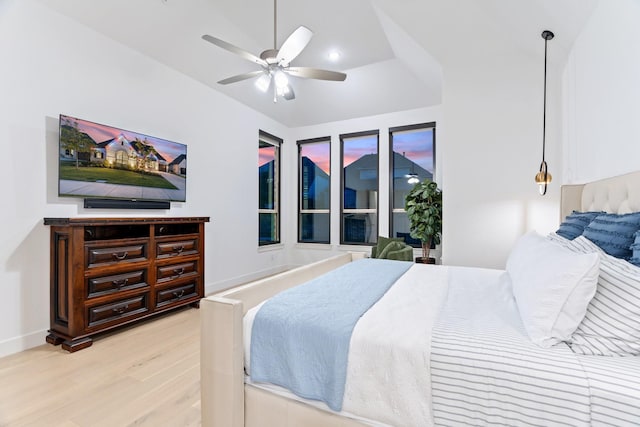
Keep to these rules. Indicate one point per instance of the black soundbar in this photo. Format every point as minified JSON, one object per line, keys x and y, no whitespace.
{"x":126,"y":204}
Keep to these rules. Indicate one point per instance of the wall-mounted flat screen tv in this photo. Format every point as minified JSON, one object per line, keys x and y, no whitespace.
{"x":99,"y":161}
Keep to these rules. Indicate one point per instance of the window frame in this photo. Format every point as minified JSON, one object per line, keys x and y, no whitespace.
{"x":392,"y":130}
{"x":342,"y":137}
{"x":276,"y":142}
{"x":300,"y":143}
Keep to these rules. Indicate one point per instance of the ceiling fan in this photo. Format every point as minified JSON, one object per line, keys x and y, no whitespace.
{"x":275,"y":63}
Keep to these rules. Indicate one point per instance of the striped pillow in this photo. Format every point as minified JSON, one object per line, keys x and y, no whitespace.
{"x":614,"y":233}
{"x":611,"y":326}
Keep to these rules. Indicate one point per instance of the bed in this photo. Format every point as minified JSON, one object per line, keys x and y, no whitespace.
{"x":558,"y":385}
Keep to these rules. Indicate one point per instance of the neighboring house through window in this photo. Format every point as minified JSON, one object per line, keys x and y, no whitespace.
{"x":314,"y":190}
{"x":268,"y":189}
{"x":359,"y":188}
{"x":412,"y":158}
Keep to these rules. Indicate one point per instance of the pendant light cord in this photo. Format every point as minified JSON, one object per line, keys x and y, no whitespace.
{"x":544,"y":103}
{"x":543,"y":177}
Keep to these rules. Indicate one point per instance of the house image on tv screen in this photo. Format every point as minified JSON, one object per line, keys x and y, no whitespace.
{"x":106,"y":162}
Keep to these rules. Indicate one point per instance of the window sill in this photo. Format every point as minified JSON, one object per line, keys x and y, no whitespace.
{"x":318,"y":246}
{"x":269,"y":248}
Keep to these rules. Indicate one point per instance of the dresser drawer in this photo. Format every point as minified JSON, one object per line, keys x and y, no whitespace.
{"x":176,"y":294}
{"x":167,"y":273}
{"x":100,"y":256}
{"x":105,"y":285}
{"x":117,"y":310}
{"x":174,"y":248}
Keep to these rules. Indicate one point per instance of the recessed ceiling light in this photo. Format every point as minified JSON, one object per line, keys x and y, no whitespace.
{"x":334,"y":55}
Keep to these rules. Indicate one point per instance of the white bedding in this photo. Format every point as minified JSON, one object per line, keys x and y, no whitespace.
{"x":388,"y":377}
{"x":615,"y":395}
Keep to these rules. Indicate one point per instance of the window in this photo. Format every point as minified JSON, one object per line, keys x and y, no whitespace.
{"x":268,"y":189}
{"x":314,"y":190}
{"x":359,"y":188}
{"x":412,"y":160}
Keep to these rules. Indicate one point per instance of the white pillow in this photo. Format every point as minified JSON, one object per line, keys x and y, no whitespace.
{"x":552,"y":287}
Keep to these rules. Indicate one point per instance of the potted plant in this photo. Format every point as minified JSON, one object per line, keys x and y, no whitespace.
{"x":424,"y":209}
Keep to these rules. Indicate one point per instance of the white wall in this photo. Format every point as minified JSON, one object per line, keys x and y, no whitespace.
{"x":52,"y":65}
{"x":602,"y":95}
{"x":305,"y":253}
{"x":493,"y":109}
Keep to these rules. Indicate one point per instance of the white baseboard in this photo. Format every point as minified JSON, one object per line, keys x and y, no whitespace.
{"x":23,"y":342}
{"x":223,"y":285}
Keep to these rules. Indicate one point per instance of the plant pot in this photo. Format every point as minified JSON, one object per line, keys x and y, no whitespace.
{"x":421,"y":260}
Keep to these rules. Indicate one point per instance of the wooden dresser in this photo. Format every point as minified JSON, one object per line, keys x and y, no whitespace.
{"x":107,"y":272}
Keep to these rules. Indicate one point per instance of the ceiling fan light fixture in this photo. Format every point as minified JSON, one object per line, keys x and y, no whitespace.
{"x":334,"y":55}
{"x":282,"y":91}
{"x":281,"y":80}
{"x":263,"y":82}
{"x":288,"y":93}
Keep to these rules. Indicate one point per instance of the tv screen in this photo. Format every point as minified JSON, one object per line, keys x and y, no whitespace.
{"x":99,"y":161}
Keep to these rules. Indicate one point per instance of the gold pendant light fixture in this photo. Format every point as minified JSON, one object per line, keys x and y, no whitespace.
{"x":543,"y":177}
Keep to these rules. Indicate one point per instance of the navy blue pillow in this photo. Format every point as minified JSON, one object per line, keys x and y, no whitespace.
{"x":635,"y":248}
{"x":614,"y":233}
{"x":574,"y":224}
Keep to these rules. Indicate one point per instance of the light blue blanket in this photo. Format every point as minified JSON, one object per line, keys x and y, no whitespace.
{"x":300,"y":337}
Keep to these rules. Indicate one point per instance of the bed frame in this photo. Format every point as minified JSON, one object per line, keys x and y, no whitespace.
{"x":620,"y":194}
{"x":225,"y":399}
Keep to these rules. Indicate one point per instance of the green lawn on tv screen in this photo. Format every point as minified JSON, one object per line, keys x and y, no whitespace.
{"x":114,"y":176}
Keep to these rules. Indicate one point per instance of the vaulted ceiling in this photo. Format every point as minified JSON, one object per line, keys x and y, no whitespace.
{"x":395,"y":52}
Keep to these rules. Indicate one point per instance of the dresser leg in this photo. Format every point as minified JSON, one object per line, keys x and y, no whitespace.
{"x":54,"y":339}
{"x":195,"y":304}
{"x":77,"y":344}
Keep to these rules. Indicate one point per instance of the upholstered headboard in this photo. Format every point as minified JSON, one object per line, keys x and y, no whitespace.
{"x":620,"y":194}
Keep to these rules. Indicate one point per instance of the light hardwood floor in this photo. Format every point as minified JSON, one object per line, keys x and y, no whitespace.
{"x":142,"y":375}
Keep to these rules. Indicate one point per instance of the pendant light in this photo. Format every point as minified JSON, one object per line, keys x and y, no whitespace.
{"x":543,"y":177}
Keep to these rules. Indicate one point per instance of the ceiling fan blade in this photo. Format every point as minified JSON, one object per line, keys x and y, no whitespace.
{"x":234,"y":49}
{"x":316,"y":73}
{"x":240,"y":77}
{"x":293,"y":45}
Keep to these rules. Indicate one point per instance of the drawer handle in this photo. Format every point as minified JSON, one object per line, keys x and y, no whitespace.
{"x":178,"y":271}
{"x":120,"y":256}
{"x":121,"y":309}
{"x":178,"y":249}
{"x":179,"y":295}
{"x":120,"y":283}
